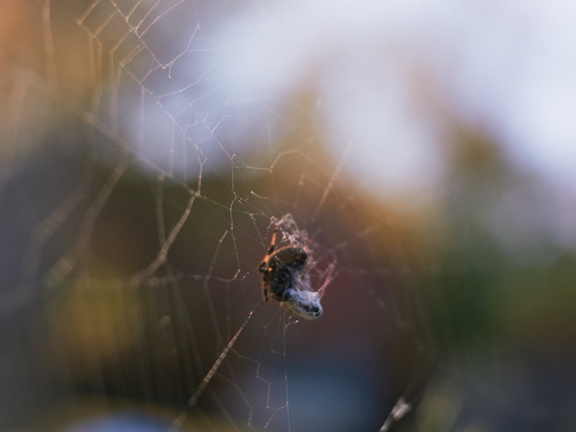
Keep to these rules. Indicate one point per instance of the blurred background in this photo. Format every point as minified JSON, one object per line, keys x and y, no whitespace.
{"x":428,"y":150}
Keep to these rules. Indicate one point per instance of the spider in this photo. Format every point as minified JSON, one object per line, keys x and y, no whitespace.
{"x":285,"y":277}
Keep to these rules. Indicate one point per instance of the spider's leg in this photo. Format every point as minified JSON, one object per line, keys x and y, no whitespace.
{"x":272,"y":247}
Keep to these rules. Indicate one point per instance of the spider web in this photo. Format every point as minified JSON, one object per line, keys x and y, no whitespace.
{"x":150,"y":146}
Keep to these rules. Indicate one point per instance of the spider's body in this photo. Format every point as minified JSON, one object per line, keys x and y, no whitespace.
{"x":281,"y":271}
{"x":285,"y":279}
